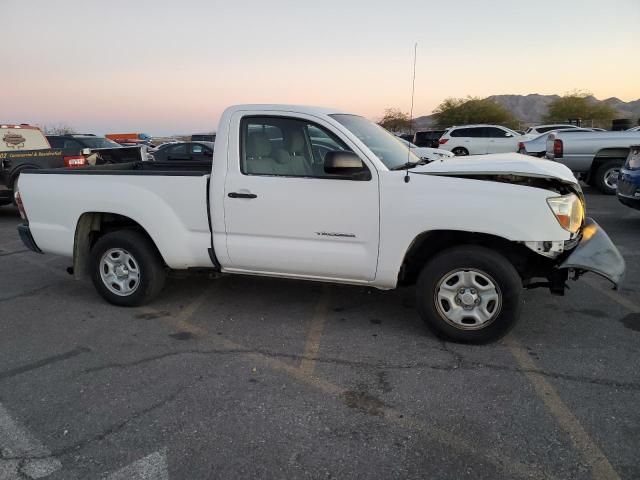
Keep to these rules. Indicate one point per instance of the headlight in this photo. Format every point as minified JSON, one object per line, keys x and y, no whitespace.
{"x":568,"y":210}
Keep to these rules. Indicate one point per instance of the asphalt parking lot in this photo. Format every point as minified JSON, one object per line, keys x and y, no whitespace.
{"x":238,"y":377}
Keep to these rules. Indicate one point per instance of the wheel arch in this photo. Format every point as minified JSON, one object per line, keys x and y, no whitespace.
{"x":430,"y":243}
{"x":606,"y":154}
{"x":93,"y":225}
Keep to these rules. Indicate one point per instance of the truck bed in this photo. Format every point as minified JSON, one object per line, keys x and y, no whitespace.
{"x":145,"y":190}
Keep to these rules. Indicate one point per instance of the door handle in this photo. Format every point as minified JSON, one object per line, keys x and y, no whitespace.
{"x":242,"y":195}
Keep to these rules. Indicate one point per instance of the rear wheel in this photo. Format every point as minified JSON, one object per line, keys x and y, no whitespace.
{"x":460,"y":151}
{"x":605,"y":178}
{"x":469,"y":294}
{"x":126,"y":268}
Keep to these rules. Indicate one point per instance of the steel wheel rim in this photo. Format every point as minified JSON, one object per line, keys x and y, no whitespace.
{"x":119,"y":272}
{"x":468,"y":299}
{"x":611,"y":178}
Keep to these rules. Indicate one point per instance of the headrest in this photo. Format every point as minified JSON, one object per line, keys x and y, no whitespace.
{"x":295,"y":142}
{"x":258,"y":145}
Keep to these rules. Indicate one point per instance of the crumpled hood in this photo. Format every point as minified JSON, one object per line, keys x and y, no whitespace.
{"x":499,"y":163}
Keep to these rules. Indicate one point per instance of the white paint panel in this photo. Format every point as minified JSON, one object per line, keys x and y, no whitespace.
{"x":21,"y":453}
{"x":172,"y":209}
{"x":151,"y":467}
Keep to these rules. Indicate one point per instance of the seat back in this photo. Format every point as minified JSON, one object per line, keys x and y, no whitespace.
{"x":258,"y":158}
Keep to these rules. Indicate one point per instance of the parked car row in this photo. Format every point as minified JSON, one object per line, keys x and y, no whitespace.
{"x":594,"y":155}
{"x":24,"y":147}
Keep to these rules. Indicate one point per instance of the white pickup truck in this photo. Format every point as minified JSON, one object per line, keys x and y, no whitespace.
{"x":315,"y":194}
{"x":595,"y":157}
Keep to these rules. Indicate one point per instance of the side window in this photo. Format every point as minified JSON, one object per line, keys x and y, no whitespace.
{"x":196,"y":148}
{"x":460,"y":132}
{"x":180,"y":149}
{"x":285,"y":147}
{"x":56,"y":142}
{"x":72,"y":144}
{"x":321,"y":143}
{"x":493,"y":132}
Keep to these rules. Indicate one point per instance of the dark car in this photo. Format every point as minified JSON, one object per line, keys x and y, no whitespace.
{"x":77,"y":142}
{"x":428,"y":138}
{"x":629,"y":179}
{"x":185,"y":151}
{"x":110,"y":151}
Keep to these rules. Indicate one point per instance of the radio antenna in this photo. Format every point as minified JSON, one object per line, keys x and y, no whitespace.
{"x":413,"y":91}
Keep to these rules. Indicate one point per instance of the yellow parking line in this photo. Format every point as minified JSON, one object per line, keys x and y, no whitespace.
{"x":613,"y":295}
{"x":511,"y":467}
{"x":600,"y":466}
{"x":312,"y":345}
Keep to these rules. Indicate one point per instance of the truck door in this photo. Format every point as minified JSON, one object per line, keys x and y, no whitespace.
{"x":284,"y":214}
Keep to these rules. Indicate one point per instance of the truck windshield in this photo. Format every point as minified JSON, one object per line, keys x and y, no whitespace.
{"x":382,"y":143}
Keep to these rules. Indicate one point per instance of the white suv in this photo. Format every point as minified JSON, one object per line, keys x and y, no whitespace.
{"x":533,"y":132}
{"x":480,"y":139}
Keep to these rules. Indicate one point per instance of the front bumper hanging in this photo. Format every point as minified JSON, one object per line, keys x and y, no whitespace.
{"x":596,"y":253}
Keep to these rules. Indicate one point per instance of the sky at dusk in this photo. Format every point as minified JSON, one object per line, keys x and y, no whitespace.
{"x":172,"y":67}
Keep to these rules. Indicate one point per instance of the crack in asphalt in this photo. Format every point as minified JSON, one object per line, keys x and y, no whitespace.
{"x":27,"y":293}
{"x":458,"y":364}
{"x":43,"y":362}
{"x":117,"y":427}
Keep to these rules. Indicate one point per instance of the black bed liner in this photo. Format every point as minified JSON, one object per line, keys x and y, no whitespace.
{"x":178,"y":169}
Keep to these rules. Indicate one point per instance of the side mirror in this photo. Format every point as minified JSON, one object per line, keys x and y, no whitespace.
{"x":346,"y":164}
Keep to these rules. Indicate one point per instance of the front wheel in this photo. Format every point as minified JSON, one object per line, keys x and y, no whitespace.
{"x":460,"y":152}
{"x":126,"y":268}
{"x":606,"y":176}
{"x":469,"y":294}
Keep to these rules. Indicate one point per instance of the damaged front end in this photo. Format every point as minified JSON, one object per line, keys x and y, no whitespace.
{"x":591,"y":251}
{"x":595,"y":253}
{"x":588,"y":249}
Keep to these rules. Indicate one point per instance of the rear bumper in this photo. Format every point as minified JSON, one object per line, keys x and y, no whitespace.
{"x":27,"y":238}
{"x":596,"y":253}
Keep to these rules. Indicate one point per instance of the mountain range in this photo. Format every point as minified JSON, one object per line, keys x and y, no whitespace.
{"x":532,"y":108}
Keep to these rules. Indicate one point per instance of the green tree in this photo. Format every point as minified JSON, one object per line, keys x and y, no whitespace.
{"x":395,"y":120}
{"x":469,"y":110}
{"x":580,"y":104}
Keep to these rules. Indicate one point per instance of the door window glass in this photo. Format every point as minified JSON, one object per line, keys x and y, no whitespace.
{"x":180,"y":149}
{"x":286,"y":147}
{"x":68,"y":144}
{"x":493,"y":132}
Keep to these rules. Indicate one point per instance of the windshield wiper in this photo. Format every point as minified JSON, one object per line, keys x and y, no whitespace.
{"x":404,"y":166}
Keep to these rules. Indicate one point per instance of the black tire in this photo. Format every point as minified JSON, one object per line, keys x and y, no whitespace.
{"x":474,"y":259}
{"x":147,"y":260}
{"x":600,"y":180}
{"x":460,"y":152}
